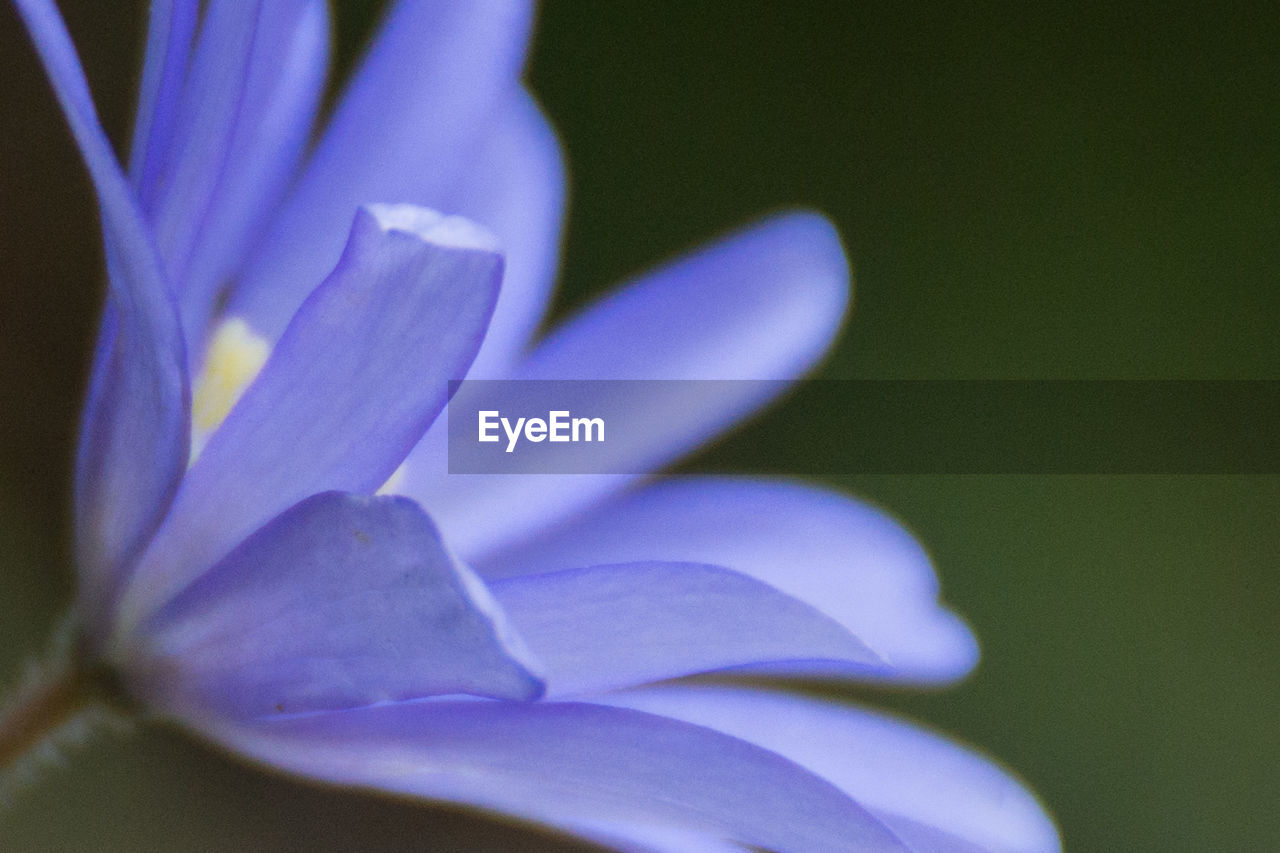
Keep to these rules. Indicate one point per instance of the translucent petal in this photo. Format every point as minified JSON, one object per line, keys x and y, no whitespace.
{"x":904,"y":774}
{"x":572,"y":765}
{"x":845,"y":558}
{"x":602,"y":627}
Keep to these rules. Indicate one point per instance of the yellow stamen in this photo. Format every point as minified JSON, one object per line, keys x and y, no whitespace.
{"x":235,"y":357}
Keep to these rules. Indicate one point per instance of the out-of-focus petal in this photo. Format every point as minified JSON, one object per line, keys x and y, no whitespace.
{"x":847,"y":559}
{"x":903,"y":774}
{"x":403,"y":129}
{"x":922,"y":838}
{"x":357,"y":378}
{"x":245,"y":112}
{"x":647,"y":838}
{"x":136,"y":429}
{"x":763,"y":304}
{"x":603,"y":627}
{"x":516,"y":189}
{"x":171,"y":28}
{"x":572,"y":765}
{"x":341,"y":601}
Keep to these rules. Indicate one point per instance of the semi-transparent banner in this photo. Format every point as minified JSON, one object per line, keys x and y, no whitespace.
{"x":870,"y":427}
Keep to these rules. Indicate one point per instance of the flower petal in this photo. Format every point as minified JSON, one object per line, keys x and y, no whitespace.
{"x":763,"y":304}
{"x":571,"y":766}
{"x":603,"y":627}
{"x":404,"y":127}
{"x":350,"y":388}
{"x":914,"y":780}
{"x":171,"y":28}
{"x":516,"y":188}
{"x":647,"y":838}
{"x":134,"y":439}
{"x":341,"y":601}
{"x":245,"y":112}
{"x":847,"y":559}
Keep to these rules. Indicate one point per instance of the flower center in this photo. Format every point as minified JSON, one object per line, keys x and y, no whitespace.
{"x":235,"y":357}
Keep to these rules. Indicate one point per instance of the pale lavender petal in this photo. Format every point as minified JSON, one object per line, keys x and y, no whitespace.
{"x":402,"y":131}
{"x":133,"y":445}
{"x":845,"y":558}
{"x":246,"y":110}
{"x":603,"y":627}
{"x":171,"y":27}
{"x":516,"y":188}
{"x":902,"y":773}
{"x":357,"y":378}
{"x":763,"y":304}
{"x":571,"y":765}
{"x":647,"y":838}
{"x":339,"y":602}
{"x":922,"y":838}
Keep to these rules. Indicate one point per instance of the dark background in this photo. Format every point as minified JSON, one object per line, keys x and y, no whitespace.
{"x":1078,"y":190}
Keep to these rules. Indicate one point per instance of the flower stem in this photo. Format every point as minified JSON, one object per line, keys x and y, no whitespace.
{"x":42,"y":705}
{"x":58,"y":704}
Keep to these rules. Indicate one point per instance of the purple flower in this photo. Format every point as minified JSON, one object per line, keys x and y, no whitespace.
{"x":271,"y":556}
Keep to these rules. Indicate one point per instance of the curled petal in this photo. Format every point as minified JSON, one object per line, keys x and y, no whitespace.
{"x":580,"y":767}
{"x":762,"y":304}
{"x":339,"y":602}
{"x":415,"y":109}
{"x":933,"y":793}
{"x":603,"y":627}
{"x":516,"y":187}
{"x":357,"y":378}
{"x":846,"y":559}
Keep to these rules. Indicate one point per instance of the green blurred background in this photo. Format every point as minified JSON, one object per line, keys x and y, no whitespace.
{"x":1079,"y":190}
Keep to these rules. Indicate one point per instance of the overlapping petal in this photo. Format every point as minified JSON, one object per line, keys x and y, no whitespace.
{"x":361,"y":372}
{"x":763,"y":304}
{"x":136,"y":427}
{"x":936,"y":795}
{"x":171,"y":28}
{"x":331,"y":633}
{"x":515,"y":185}
{"x":339,"y":602}
{"x":247,"y":104}
{"x":575,"y":766}
{"x":601,"y":627}
{"x":848,"y":560}
{"x":419,"y":104}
